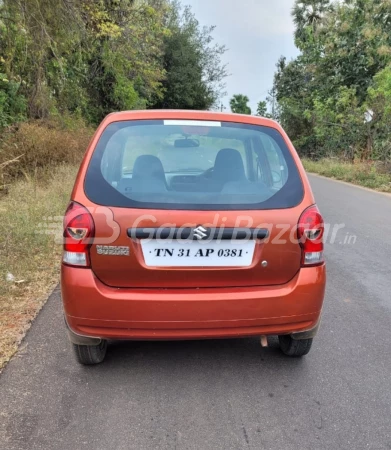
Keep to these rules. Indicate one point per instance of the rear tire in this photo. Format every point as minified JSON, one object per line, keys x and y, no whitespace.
{"x":292,"y":347}
{"x":90,"y":354}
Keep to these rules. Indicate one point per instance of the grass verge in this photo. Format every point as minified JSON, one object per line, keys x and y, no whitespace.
{"x":29,"y":256}
{"x":367,"y":174}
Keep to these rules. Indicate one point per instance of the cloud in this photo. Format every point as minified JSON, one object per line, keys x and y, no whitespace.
{"x":259,"y":18}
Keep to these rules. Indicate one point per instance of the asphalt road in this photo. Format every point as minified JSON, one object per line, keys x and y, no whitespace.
{"x":228,"y":394}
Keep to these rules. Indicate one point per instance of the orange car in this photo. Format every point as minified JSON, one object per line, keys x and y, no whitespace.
{"x":191,"y":225}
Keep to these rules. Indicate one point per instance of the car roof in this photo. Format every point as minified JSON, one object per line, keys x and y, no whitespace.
{"x":161,"y":114}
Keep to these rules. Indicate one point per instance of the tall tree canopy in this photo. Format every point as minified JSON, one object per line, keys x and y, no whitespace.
{"x":262,"y":109}
{"x":239,"y":104}
{"x":194,"y":71}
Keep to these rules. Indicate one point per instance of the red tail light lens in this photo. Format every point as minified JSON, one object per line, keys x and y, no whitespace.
{"x":310,"y":232}
{"x":79,"y":231}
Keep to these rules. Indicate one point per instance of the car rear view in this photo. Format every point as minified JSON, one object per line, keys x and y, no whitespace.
{"x":191,"y":225}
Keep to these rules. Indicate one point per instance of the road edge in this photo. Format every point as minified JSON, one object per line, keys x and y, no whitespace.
{"x":27,"y":330}
{"x":387,"y":194}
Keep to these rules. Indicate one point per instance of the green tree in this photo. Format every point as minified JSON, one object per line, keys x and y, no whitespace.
{"x":192,"y":62}
{"x":309,"y":16}
{"x":123,"y":72}
{"x":262,"y":109}
{"x":239,"y":104}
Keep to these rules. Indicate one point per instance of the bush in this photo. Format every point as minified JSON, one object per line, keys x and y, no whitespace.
{"x":32,"y":149}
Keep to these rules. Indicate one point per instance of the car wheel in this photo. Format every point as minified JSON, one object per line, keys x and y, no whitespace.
{"x":90,"y":354}
{"x":293,"y":347}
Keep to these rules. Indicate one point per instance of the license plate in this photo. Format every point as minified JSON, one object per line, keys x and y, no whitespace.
{"x":160,"y":253}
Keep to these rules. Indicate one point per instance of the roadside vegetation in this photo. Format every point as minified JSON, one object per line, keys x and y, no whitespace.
{"x":334,"y":99}
{"x":89,"y":58}
{"x":368,"y":174}
{"x":30,"y":257}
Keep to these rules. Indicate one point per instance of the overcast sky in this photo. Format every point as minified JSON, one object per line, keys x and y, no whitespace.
{"x":256,"y":33}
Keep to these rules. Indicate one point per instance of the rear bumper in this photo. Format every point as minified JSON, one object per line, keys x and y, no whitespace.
{"x":94,"y":311}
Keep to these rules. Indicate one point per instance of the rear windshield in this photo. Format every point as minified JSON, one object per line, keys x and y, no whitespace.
{"x":174,"y":164}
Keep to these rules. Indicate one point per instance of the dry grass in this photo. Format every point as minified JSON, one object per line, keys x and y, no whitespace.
{"x":32,"y":147}
{"x":369,"y":174}
{"x":28,"y":252}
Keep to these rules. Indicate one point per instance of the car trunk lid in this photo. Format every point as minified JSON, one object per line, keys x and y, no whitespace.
{"x":146,"y":251}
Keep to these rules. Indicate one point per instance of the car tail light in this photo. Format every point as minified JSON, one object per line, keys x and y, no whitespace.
{"x":310,"y":232}
{"x":79,"y":231}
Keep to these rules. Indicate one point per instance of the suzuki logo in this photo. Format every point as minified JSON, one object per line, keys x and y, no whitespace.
{"x":200,"y":233}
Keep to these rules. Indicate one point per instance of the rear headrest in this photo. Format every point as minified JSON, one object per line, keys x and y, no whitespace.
{"x":228,"y":166}
{"x":148,"y":166}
